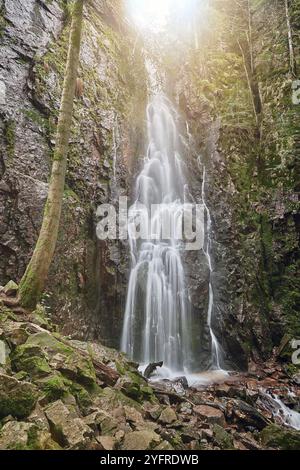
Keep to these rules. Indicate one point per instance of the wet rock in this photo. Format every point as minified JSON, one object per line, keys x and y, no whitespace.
{"x":223,"y":439}
{"x":280,"y":438}
{"x":168,"y":416}
{"x":66,"y":427}
{"x":210,"y":414}
{"x":16,"y":398}
{"x":247,"y":441}
{"x":141,"y":440}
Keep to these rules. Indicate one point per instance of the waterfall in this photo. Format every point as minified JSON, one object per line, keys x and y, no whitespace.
{"x":280,"y":411}
{"x":215,"y":346}
{"x":157,"y":323}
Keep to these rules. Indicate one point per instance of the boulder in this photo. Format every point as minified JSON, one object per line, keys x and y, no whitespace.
{"x":280,"y":438}
{"x":10,"y":289}
{"x":141,"y":440}
{"x":66,"y":427}
{"x":71,"y":363}
{"x":32,"y":359}
{"x":133,"y":416}
{"x":168,"y":416}
{"x":210,"y":414}
{"x":17,"y":435}
{"x":16,"y":398}
{"x":4,"y":353}
{"x":38,"y":418}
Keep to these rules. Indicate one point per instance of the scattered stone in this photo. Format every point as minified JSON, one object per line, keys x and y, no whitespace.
{"x":32,"y":359}
{"x":133,"y":416}
{"x":296,"y":379}
{"x":151,"y":368}
{"x":107,"y":442}
{"x":11,"y":287}
{"x":25,"y":436}
{"x":243,"y":413}
{"x":168,"y":416}
{"x":210,"y":414}
{"x":141,"y":440}
{"x":189,"y":435}
{"x":164,"y":445}
{"x":38,"y":418}
{"x":16,"y":398}
{"x":207,"y":434}
{"x":152,"y":412}
{"x":223,"y":439}
{"x":66,"y":427}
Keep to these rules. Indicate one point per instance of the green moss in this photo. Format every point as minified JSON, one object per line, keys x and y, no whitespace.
{"x":281,"y":438}
{"x":17,"y":399}
{"x":222,"y":438}
{"x":54,"y":387}
{"x":30,"y":358}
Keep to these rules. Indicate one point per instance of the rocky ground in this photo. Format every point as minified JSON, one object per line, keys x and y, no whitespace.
{"x":58,"y":393}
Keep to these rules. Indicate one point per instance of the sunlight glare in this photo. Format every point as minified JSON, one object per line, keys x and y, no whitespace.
{"x":154,"y":14}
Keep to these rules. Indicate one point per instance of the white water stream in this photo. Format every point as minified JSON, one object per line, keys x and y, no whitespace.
{"x":157,"y":324}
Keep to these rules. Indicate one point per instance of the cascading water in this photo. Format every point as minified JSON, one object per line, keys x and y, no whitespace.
{"x":157,"y":324}
{"x":215,"y":347}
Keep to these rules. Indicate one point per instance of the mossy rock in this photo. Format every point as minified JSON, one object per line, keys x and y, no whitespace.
{"x":111,"y":399}
{"x":32,"y":359}
{"x":54,"y":387}
{"x":17,"y":398}
{"x":285,"y":350}
{"x":280,"y":438}
{"x":83,"y":397}
{"x":70,"y":362}
{"x":25,"y":436}
{"x":135,"y":386}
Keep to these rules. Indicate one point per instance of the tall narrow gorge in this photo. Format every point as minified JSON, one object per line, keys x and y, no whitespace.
{"x":149,"y":225}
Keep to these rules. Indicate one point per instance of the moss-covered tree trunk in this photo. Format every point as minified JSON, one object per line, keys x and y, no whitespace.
{"x":34,"y":279}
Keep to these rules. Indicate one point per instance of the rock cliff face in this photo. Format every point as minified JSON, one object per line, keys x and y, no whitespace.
{"x":87,"y":284}
{"x":250,"y":161}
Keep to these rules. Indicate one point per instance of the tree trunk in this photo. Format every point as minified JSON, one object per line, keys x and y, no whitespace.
{"x":290,"y":39}
{"x":34,"y":279}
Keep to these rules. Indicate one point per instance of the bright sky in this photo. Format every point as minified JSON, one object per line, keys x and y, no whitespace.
{"x":153,"y":13}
